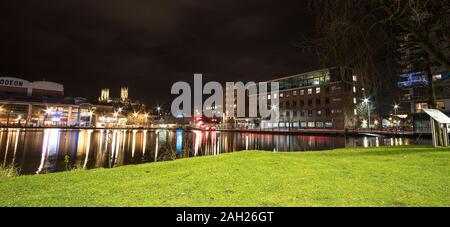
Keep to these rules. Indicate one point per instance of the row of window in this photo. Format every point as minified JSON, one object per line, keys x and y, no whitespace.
{"x":310,"y":113}
{"x":420,"y":106}
{"x":308,"y":102}
{"x":311,"y":79}
{"x":301,"y":124}
{"x":309,"y":91}
{"x":294,"y":93}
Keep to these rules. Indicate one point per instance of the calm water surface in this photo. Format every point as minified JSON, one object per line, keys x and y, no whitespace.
{"x":37,"y":151}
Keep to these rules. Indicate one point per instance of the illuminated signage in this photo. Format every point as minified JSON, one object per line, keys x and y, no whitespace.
{"x":414,"y":79}
{"x":11,"y":82}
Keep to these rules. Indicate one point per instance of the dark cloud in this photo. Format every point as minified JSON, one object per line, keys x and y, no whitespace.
{"x":148,"y":45}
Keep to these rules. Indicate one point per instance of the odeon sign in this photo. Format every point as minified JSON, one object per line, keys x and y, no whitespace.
{"x":11,"y":82}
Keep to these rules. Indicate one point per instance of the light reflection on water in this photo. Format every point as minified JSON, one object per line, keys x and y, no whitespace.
{"x":40,"y":151}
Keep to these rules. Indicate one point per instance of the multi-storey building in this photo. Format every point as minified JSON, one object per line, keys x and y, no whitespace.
{"x":416,"y":67}
{"x":42,"y":103}
{"x":325,"y":98}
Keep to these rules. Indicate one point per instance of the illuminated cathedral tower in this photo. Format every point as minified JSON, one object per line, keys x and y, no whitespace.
{"x":104,"y":97}
{"x":124,"y":93}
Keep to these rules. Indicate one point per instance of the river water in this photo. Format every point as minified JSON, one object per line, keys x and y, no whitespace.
{"x":37,"y":151}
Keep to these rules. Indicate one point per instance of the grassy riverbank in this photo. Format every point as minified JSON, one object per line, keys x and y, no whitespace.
{"x":396,"y":176}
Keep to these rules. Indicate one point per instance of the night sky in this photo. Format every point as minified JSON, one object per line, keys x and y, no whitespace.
{"x":148,"y":45}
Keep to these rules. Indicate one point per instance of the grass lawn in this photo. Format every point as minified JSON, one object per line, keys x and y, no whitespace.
{"x":395,"y":176}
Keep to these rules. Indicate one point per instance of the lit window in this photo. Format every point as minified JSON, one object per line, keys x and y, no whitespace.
{"x":281,"y":95}
{"x":310,"y":91}
{"x":275,"y":96}
{"x":437,"y":77}
{"x":268,"y":97}
{"x":421,"y":106}
{"x":316,"y":81}
{"x":354,"y":89}
{"x":355,"y":101}
{"x":294,"y":93}
{"x":355,"y":112}
{"x":355,"y":78}
{"x":318,"y":90}
{"x":302,"y":92}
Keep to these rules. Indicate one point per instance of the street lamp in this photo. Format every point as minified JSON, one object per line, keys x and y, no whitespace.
{"x":48,"y":111}
{"x":158,"y":108}
{"x":274,"y":107}
{"x":396,"y":106}
{"x":367,"y":101}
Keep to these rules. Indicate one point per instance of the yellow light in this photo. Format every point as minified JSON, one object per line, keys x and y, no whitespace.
{"x":48,"y":111}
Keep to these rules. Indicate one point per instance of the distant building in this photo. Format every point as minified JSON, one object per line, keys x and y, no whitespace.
{"x":322,"y":99}
{"x":104,"y":97}
{"x":414,"y":81}
{"x":42,"y":103}
{"x":325,"y":98}
{"x":124,"y":93}
{"x":125,"y":112}
{"x":13,"y":86}
{"x":124,"y":102}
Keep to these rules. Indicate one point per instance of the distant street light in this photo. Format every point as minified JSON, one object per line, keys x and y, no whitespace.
{"x":274,"y":107}
{"x":48,"y":111}
{"x":396,"y":106}
{"x":367,"y":101}
{"x":158,"y":108}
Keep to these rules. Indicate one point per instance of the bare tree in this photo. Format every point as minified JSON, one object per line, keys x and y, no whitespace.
{"x":428,"y":21}
{"x":363,"y":34}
